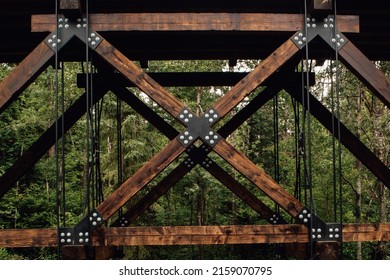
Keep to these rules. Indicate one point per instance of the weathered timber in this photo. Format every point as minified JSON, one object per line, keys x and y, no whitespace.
{"x":258,"y":177}
{"x":366,"y":71}
{"x":347,"y":138}
{"x":255,"y":78}
{"x":194,"y":22}
{"x":193,"y":235}
{"x":140,"y":179}
{"x":24,"y":74}
{"x":192,"y":79}
{"x":45,"y":142}
{"x":135,"y":74}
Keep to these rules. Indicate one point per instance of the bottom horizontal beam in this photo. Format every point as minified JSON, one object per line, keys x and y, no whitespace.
{"x":193,"y":235}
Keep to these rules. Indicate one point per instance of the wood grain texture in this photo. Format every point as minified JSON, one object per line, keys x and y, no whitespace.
{"x":258,"y":177}
{"x":366,"y":71}
{"x":195,"y":22}
{"x":24,"y":74}
{"x":255,"y":78}
{"x":143,"y":81}
{"x":193,"y":235}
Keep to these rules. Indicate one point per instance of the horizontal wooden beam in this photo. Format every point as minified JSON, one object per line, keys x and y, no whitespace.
{"x":193,"y":235}
{"x":194,"y":22}
{"x":192,"y":79}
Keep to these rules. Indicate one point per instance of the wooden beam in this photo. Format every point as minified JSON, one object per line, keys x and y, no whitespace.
{"x":194,"y":22}
{"x":45,"y":142}
{"x":191,"y":79}
{"x":24,"y":74}
{"x":193,"y":235}
{"x":348,"y":139}
{"x":255,"y":78}
{"x":135,"y":75}
{"x":258,"y":177}
{"x":366,"y":71}
{"x":140,"y":179}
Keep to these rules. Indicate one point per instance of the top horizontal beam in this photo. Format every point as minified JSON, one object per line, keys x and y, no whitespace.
{"x":194,"y":22}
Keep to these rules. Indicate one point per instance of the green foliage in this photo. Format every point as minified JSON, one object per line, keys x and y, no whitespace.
{"x":198,"y":198}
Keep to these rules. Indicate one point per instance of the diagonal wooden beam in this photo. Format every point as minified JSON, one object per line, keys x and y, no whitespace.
{"x":140,"y":179}
{"x":24,"y":74}
{"x":135,"y":74}
{"x":348,"y":139}
{"x":180,"y":171}
{"x":259,"y":178}
{"x":195,"y":22}
{"x":366,"y":71}
{"x":46,"y":141}
{"x":193,"y":235}
{"x":255,"y":78}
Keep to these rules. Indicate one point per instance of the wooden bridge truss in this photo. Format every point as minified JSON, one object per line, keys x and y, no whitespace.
{"x":276,"y":66}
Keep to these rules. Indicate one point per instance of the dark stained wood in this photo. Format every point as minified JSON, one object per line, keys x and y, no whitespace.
{"x":366,"y":71}
{"x":193,"y":235}
{"x":254,"y":79}
{"x":348,"y":139}
{"x":24,"y":74}
{"x":258,"y":177}
{"x":45,"y":142}
{"x":194,"y":22}
{"x":141,"y":178}
{"x":191,"y":79}
{"x":14,"y":238}
{"x":135,"y":74}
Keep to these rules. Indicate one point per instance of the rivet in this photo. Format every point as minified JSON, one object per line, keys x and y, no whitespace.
{"x":314,"y":25}
{"x":331,"y":25}
{"x":54,"y":45}
{"x":330,"y":235}
{"x":94,"y":223}
{"x":186,"y":133}
{"x":319,"y":236}
{"x":215,"y":137}
{"x":207,"y":115}
{"x":93,"y":35}
{"x":185,"y":142}
{"x":211,"y":111}
{"x":207,"y":138}
{"x":185,"y":112}
{"x":62,"y":234}
{"x":93,"y":43}
{"x":68,"y":234}
{"x":296,"y":38}
{"x":81,"y":234}
{"x":313,"y":230}
{"x":99,"y":219}
{"x":300,"y":34}
{"x":299,"y":42}
{"x":87,"y":240}
{"x":300,"y":216}
{"x":181,"y":116}
{"x":66,"y":26}
{"x":319,"y":230}
{"x":305,"y":220}
{"x":94,"y":214}
{"x":331,"y":230}
{"x":337,"y":236}
{"x":79,"y":20}
{"x":69,"y":240}
{"x":211,"y":132}
{"x":185,"y":120}
{"x":313,"y":236}
{"x":190,"y":115}
{"x":66,"y":20}
{"x":336,"y":229}
{"x":304,"y":211}
{"x":333,"y":40}
{"x":342,"y":40}
{"x":62,"y":240}
{"x":81,"y":240}
{"x":313,"y":20}
{"x":181,"y":137}
{"x":211,"y":120}
{"x":60,"y":26}
{"x":211,"y":141}
{"x":190,"y":138}
{"x":325,"y":25}
{"x":215,"y":116}
{"x":86,"y":233}
{"x":308,"y":25}
{"x":60,"y":20}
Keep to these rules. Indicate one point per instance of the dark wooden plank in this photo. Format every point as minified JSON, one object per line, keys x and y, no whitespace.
{"x":366,"y":71}
{"x":135,"y":74}
{"x":24,"y":74}
{"x":19,"y":238}
{"x":193,"y":235}
{"x":195,"y":22}
{"x":191,"y":79}
{"x":348,"y":139}
{"x":263,"y":71}
{"x":258,"y":177}
{"x":140,"y":179}
{"x":45,"y":142}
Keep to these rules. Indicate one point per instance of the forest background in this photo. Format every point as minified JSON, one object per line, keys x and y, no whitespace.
{"x":271,"y":138}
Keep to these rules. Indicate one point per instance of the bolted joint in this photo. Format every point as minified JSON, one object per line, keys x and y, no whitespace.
{"x":186,"y":138}
{"x":66,"y":236}
{"x":123,"y":222}
{"x":185,"y":116}
{"x":304,"y":216}
{"x":275,"y":219}
{"x":299,"y":39}
{"x":211,"y":116}
{"x":94,"y":40}
{"x":207,"y":162}
{"x":211,"y":138}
